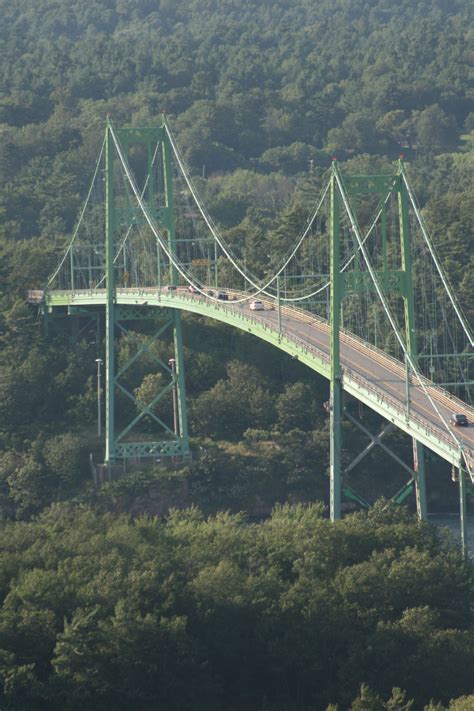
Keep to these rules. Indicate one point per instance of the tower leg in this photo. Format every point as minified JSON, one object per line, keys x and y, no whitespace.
{"x":110,"y":304}
{"x":109,"y":383}
{"x":463,"y":509}
{"x":335,"y":449}
{"x":181,"y":387}
{"x":336,"y":294}
{"x":420,"y":481}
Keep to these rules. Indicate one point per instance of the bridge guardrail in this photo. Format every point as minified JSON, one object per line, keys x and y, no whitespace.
{"x":449,"y":400}
{"x":303,"y":316}
{"x":381,"y":357}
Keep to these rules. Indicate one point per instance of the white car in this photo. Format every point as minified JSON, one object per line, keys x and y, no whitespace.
{"x":256,"y":305}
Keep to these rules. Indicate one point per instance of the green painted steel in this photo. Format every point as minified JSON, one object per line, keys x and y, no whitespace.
{"x":353,"y":495}
{"x":110,"y":300}
{"x":124,"y":304}
{"x":463,"y":510}
{"x":355,"y":385}
{"x":178,"y":374}
{"x":376,"y":440}
{"x":404,"y":492}
{"x":283,"y":329}
{"x":410,"y":336}
{"x":177,"y":443}
{"x":335,"y":397}
{"x":279,"y":303}
{"x":343,"y":284}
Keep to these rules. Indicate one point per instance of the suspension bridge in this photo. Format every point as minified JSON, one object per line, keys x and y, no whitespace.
{"x":359,"y":296}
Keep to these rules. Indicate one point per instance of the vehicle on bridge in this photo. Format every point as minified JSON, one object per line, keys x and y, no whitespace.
{"x":256,"y":305}
{"x":459,"y":420}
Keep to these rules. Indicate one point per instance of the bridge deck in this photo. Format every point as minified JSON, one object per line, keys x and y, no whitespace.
{"x":369,"y":374}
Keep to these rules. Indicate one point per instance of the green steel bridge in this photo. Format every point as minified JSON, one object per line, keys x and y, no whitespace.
{"x":360,"y":297}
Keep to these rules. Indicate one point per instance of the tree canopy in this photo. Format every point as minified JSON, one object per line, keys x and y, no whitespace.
{"x":116,"y":597}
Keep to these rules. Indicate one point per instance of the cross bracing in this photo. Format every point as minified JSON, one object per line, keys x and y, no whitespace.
{"x":359,"y":295}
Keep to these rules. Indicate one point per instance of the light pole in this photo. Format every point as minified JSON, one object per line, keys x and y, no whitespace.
{"x":172,"y":364}
{"x":99,"y":362}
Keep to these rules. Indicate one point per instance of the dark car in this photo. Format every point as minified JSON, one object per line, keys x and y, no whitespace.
{"x":222,"y":295}
{"x":458,"y":420}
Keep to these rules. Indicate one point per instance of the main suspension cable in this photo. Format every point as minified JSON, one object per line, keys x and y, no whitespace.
{"x":387,"y":310}
{"x":81,"y":216}
{"x":444,"y":278}
{"x":218,"y":238}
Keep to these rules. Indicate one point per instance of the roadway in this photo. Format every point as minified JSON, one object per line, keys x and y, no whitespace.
{"x":384,"y":373}
{"x":387,"y":375}
{"x":368,"y":373}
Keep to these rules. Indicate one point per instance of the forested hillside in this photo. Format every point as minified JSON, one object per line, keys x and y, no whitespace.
{"x":259,"y":86}
{"x":259,"y":95}
{"x":102,"y":610}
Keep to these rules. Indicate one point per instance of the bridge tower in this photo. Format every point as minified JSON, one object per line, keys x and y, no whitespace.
{"x":175,"y":443}
{"x":343,"y":283}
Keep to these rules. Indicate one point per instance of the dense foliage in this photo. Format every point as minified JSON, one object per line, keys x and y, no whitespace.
{"x":102,"y":611}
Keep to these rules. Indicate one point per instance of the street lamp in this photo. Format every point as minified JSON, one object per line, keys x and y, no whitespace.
{"x":99,"y":362}
{"x":172,"y":364}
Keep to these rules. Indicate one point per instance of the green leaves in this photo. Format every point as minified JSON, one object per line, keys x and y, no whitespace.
{"x":109,"y":612}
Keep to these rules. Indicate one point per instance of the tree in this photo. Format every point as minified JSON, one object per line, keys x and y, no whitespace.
{"x":296,"y":407}
{"x":367,"y":701}
{"x":66,"y":459}
{"x":29,"y":486}
{"x":233,"y":405}
{"x":357,"y":134}
{"x":434,"y":129}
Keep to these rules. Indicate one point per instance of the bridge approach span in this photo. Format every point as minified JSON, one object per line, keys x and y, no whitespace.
{"x":370,"y":375}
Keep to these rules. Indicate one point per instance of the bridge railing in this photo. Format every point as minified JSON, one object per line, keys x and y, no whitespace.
{"x":422,"y":425}
{"x":449,"y":400}
{"x":293,"y":312}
